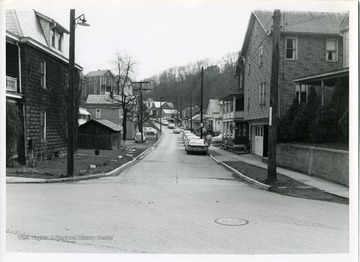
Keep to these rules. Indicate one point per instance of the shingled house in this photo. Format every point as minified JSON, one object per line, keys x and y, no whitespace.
{"x":36,"y":84}
{"x":310,"y":43}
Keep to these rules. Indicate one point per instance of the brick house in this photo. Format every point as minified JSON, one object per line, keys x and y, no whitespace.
{"x":310,"y":43}
{"x":37,"y":79}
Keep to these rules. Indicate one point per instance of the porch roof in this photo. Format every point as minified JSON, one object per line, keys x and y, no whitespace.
{"x":329,"y":78}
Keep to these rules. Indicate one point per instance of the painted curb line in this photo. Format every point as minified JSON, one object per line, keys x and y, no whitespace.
{"x":114,"y":172}
{"x":242,"y":176}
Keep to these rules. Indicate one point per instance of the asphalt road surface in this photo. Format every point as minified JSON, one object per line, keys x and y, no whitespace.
{"x":170,"y":203}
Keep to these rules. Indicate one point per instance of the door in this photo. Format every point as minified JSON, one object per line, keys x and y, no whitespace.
{"x":259,"y":140}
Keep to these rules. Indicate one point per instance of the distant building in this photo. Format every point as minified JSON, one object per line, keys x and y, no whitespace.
{"x":102,"y":107}
{"x":102,"y":82}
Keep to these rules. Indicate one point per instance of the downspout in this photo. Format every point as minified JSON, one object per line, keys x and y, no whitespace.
{"x":23,"y":104}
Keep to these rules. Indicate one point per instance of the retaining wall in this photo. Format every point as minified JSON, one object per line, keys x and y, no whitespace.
{"x":330,"y":164}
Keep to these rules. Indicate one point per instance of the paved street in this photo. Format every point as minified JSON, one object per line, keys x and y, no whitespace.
{"x":169,"y":203}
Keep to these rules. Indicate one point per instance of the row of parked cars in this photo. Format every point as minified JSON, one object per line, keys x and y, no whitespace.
{"x":193,"y":143}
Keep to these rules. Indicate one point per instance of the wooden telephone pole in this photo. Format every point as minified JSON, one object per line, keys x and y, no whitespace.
{"x":141,"y":108}
{"x":273,"y":114}
{"x":201,"y":102}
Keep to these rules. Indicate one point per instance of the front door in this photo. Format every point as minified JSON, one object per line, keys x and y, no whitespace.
{"x":259,"y":140}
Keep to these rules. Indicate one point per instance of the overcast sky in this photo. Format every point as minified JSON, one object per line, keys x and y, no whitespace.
{"x":162,"y":34}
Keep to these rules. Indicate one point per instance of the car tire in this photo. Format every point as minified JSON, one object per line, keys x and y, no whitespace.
{"x":188,"y":152}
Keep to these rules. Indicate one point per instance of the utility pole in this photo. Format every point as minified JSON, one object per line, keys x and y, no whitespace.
{"x":161,"y":113}
{"x":201,"y":102}
{"x":190,"y":111}
{"x":141,"y":110}
{"x":70,"y":149}
{"x":273,"y":114}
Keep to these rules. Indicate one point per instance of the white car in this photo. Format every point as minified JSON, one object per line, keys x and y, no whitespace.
{"x":150,"y":129}
{"x":217,"y":139}
{"x":138,"y":137}
{"x":171,"y":125}
{"x":196,"y":145}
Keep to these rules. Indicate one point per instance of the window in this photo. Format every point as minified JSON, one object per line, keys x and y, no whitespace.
{"x":98,"y":113}
{"x":249,"y":68}
{"x":90,"y":80}
{"x":239,"y":104}
{"x":262,"y":93}
{"x":331,"y":51}
{"x":104,"y":80}
{"x":52,"y":37}
{"x":94,"y":80}
{"x":120,"y":113}
{"x":260,"y":55}
{"x":43,"y":73}
{"x":301,"y":93}
{"x":60,"y":39}
{"x":291,"y":48}
{"x":43,"y":124}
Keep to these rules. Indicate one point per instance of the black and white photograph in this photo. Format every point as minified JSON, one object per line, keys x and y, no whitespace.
{"x":195,"y":130}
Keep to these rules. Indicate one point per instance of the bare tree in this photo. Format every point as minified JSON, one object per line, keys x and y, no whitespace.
{"x":124,"y":68}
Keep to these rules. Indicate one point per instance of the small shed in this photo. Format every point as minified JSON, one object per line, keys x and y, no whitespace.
{"x":99,"y":134}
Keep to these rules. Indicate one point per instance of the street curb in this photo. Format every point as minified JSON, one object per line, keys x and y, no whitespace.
{"x":242,"y":176}
{"x":111,"y":173}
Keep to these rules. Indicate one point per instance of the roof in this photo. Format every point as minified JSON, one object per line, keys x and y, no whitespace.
{"x":108,"y":124}
{"x":157,"y":104}
{"x":329,"y":78}
{"x":83,"y":111}
{"x":101,"y":99}
{"x":26,"y":23}
{"x":303,"y":21}
{"x":169,"y":111}
{"x":98,"y":73}
{"x":345,"y":24}
{"x":197,"y":117}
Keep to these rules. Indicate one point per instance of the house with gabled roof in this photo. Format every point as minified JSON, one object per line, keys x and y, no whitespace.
{"x":102,"y":107}
{"x":37,"y":65}
{"x":310,"y":43}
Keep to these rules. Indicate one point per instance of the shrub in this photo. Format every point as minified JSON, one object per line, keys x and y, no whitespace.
{"x":324,"y":128}
{"x":344,"y":126}
{"x":284,"y":134}
{"x":300,"y":128}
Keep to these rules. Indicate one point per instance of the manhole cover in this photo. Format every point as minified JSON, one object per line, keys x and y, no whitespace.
{"x":231,"y":221}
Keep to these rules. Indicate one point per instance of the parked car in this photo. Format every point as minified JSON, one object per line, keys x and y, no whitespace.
{"x":164,"y":122}
{"x":171,"y":125}
{"x":184,"y":134}
{"x":138,"y":137}
{"x":188,"y":137}
{"x":217,"y":139}
{"x":150,"y":129}
{"x":196,"y":145}
{"x":176,"y":130}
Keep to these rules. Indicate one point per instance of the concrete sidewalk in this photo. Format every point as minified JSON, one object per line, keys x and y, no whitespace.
{"x":222,"y":155}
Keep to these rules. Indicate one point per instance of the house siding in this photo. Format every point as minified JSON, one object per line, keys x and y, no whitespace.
{"x":258,"y":74}
{"x":38,"y":99}
{"x":311,"y":59}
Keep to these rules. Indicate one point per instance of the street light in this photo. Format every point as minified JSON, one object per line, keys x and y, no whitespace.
{"x":161,"y":98}
{"x":80,"y":20}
